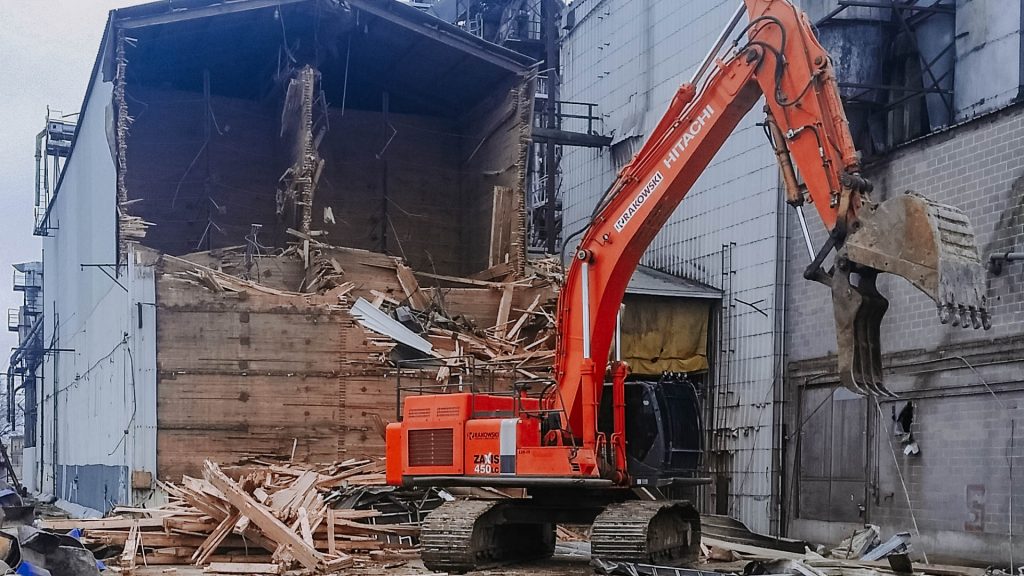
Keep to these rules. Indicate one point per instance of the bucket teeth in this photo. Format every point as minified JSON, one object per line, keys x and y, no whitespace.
{"x":933,"y":246}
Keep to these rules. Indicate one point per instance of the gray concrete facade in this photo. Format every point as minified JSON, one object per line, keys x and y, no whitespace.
{"x":966,"y":387}
{"x":843,"y":465}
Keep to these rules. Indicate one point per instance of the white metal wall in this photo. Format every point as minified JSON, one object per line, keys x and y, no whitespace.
{"x":629,"y":57}
{"x":99,"y":378}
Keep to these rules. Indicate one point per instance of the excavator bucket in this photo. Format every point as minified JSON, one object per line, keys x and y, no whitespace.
{"x":932,"y":245}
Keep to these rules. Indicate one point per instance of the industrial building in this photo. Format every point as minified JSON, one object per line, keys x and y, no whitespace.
{"x":943,"y":459}
{"x":237,"y":164}
{"x":932,"y":92}
{"x":249,"y":124}
{"x":218,"y":211}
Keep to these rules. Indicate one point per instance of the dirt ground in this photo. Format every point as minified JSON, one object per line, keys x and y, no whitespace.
{"x":558,"y":566}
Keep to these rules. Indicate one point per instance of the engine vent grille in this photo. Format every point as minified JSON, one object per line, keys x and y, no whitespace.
{"x":447,"y":411}
{"x":432,"y":447}
{"x":419,"y":412}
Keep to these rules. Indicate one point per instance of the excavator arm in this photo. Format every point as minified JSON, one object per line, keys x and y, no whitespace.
{"x":777,"y":56}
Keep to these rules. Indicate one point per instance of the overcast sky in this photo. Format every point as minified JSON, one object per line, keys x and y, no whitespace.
{"x":48,"y":49}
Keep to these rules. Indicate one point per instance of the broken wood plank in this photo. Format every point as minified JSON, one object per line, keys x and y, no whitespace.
{"x":369,"y":467}
{"x":127,"y":560}
{"x":154,"y":511}
{"x":407,"y":280}
{"x":173,"y":560}
{"x":342,"y":561}
{"x":101,"y":523}
{"x":262,"y":517}
{"x":208,"y":547}
{"x":243,"y":568}
{"x":350,"y":527}
{"x":306,"y":531}
{"x":459,"y":280}
{"x":504,"y":307}
{"x":494,"y":273}
{"x":513,"y":332}
{"x":332,"y":546}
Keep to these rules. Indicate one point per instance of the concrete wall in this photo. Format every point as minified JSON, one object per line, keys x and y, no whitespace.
{"x":98,"y":382}
{"x":629,"y":57}
{"x":959,"y":486}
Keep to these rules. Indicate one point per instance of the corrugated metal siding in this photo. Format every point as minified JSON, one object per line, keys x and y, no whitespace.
{"x":629,"y":57}
{"x":90,"y":393}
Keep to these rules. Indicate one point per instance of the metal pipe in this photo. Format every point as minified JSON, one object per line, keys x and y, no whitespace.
{"x":618,"y":334}
{"x":803,"y":229}
{"x":586,"y":310}
{"x":717,"y":47}
{"x":996,"y":261}
{"x":39,"y":159}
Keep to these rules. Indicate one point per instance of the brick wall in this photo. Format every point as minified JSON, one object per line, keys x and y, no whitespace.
{"x":978,"y":167}
{"x":959,"y":487}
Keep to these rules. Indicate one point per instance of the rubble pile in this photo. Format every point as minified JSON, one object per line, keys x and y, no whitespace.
{"x":729,"y":548}
{"x":504,"y":322}
{"x":265,"y":518}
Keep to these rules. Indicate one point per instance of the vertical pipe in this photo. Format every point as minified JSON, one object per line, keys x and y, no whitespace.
{"x":39,"y":163}
{"x":549,"y":13}
{"x":717,"y":47}
{"x":56,"y":390}
{"x":586,"y":310}
{"x":803,"y":229}
{"x":618,"y":335}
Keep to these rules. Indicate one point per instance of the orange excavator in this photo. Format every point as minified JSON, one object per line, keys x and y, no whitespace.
{"x":585,"y":459}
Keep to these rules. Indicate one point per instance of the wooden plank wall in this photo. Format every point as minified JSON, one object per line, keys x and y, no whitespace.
{"x":180,"y":181}
{"x":393,"y":191}
{"x":420,"y":187}
{"x":249,"y":373}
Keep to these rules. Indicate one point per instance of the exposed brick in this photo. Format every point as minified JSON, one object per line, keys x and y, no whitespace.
{"x":963,"y":434}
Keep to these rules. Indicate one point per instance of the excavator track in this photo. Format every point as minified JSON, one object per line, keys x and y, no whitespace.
{"x":660,"y":532}
{"x":464,"y":535}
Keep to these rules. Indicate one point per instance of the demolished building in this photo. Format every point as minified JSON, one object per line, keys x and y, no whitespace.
{"x":273,"y":221}
{"x":194,"y":303}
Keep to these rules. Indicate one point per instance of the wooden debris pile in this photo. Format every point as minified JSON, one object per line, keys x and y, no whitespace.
{"x":506,"y":325}
{"x":263,"y":519}
{"x":495,"y":318}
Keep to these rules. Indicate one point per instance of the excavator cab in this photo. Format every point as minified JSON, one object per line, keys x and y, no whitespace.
{"x":664,"y":427}
{"x":932,"y":246}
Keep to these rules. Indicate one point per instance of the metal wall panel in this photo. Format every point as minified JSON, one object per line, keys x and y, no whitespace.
{"x":629,"y":57}
{"x":98,"y":390}
{"x":988,"y":69}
